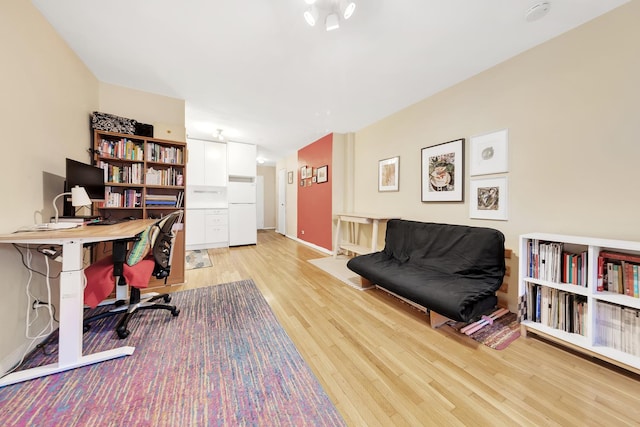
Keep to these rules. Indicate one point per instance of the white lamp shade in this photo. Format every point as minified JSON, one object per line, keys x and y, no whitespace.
{"x":332,"y":22}
{"x":79,"y":196}
{"x":347,"y":8}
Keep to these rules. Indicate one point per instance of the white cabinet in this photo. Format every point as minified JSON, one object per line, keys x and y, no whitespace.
{"x":567,"y":295}
{"x":208,"y":228}
{"x":241,"y":159}
{"x":207,"y":164}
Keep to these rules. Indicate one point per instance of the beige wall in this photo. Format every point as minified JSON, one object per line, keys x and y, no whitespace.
{"x":573,"y":113}
{"x":47,"y":97}
{"x":166,"y":116}
{"x":270,"y":195}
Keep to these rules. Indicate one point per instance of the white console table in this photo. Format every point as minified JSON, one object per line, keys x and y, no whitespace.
{"x":358,"y":218}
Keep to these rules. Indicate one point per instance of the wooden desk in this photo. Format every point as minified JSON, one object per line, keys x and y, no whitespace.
{"x":71,"y":304}
{"x":358,"y":218}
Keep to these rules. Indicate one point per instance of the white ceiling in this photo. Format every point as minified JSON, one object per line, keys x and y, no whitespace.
{"x":256,"y":70}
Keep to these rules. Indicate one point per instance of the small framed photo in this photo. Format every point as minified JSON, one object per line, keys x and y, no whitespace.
{"x":443,"y":172}
{"x":489,"y":153}
{"x":388,"y":174}
{"x":290,"y":177}
{"x":303,"y":172}
{"x":489,"y":198}
{"x":314,"y":179}
{"x":322,"y":174}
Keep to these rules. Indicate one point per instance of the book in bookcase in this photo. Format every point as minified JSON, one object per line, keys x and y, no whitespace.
{"x":144,"y":178}
{"x":593,"y":305}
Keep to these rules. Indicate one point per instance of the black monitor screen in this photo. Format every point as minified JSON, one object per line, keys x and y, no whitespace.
{"x":87,"y":176}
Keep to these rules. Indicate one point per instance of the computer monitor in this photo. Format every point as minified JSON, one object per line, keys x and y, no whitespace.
{"x":87,"y":176}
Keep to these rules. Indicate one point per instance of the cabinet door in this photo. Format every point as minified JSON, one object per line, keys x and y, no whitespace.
{"x":215,"y":164}
{"x":195,"y":164}
{"x":242,"y":159}
{"x":195,"y":227}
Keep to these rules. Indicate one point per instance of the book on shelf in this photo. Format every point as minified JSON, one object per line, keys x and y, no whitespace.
{"x":618,"y":273}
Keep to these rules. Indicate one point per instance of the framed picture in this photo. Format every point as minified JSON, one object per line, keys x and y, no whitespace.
{"x":303,"y":172}
{"x":489,"y":198}
{"x":489,"y":153}
{"x":388,"y":173}
{"x":322,"y":174}
{"x":290,"y":177}
{"x":443,"y":172}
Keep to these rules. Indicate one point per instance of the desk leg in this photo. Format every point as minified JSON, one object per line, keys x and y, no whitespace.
{"x":336,"y":243}
{"x":70,"y":328}
{"x":374,"y":236}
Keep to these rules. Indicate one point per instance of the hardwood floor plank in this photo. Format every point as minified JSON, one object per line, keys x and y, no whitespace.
{"x":382,"y":364}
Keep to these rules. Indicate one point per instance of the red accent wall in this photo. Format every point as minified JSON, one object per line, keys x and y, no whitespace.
{"x":315,"y":220}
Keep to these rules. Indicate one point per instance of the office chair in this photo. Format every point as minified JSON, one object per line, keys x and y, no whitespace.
{"x":150,"y":255}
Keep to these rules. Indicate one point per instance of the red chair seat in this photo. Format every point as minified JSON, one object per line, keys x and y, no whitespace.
{"x":100,"y":280}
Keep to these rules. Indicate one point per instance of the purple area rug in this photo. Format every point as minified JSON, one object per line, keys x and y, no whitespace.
{"x":225,"y":361}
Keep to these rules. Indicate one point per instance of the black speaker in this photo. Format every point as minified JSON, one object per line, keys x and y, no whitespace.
{"x":143,"y":129}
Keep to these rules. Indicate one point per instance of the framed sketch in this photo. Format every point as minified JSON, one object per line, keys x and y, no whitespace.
{"x":489,"y":153}
{"x":443,"y":172}
{"x":290,"y":177}
{"x":322,"y":174}
{"x":388,"y":173}
{"x":303,"y":172}
{"x":489,"y":198}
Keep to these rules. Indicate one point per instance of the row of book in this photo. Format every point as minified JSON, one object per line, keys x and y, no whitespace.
{"x":618,"y":327}
{"x":129,"y":198}
{"x":619,"y":273}
{"x":549,"y":261}
{"x":128,"y":174}
{"x":557,"y":309}
{"x":164,"y":200}
{"x":168,"y":176}
{"x":122,"y":149}
{"x":160,"y":153}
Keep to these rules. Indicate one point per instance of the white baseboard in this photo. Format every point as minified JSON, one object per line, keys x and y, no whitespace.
{"x":311,"y":245}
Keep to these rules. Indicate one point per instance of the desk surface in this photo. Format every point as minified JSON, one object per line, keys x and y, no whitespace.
{"x":94,"y":233}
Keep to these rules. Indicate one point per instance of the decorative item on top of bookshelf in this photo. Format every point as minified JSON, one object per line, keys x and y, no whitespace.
{"x":388,"y":174}
{"x":489,"y":153}
{"x":489,"y":198}
{"x":322,"y":174}
{"x":442,"y":172}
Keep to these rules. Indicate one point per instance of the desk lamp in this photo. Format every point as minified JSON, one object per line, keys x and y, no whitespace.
{"x":79,"y":197}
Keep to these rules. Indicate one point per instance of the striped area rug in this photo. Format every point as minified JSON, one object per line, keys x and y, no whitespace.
{"x":224,"y":361}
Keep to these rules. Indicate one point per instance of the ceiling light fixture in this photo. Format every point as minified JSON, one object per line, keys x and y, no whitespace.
{"x":537,"y":11}
{"x":332,"y":10}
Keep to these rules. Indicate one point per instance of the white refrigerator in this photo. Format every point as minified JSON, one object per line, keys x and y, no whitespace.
{"x":243,"y":229}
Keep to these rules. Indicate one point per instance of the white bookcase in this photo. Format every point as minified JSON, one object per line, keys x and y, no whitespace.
{"x":601,"y":330}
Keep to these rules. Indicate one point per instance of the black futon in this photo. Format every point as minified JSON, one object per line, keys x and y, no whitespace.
{"x":453,"y":270}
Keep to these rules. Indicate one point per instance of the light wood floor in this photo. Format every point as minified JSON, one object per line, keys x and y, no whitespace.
{"x":382,"y":365}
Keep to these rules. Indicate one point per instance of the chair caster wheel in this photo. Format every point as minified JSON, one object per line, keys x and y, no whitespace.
{"x":175,"y":312}
{"x":167,"y":298}
{"x":123,"y":333}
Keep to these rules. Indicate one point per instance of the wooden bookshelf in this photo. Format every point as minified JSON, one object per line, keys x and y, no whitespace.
{"x":145,"y":178}
{"x":583,"y":312}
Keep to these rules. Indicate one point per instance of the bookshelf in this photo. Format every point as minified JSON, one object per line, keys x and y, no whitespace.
{"x":569,"y":296}
{"x":144,"y":178}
